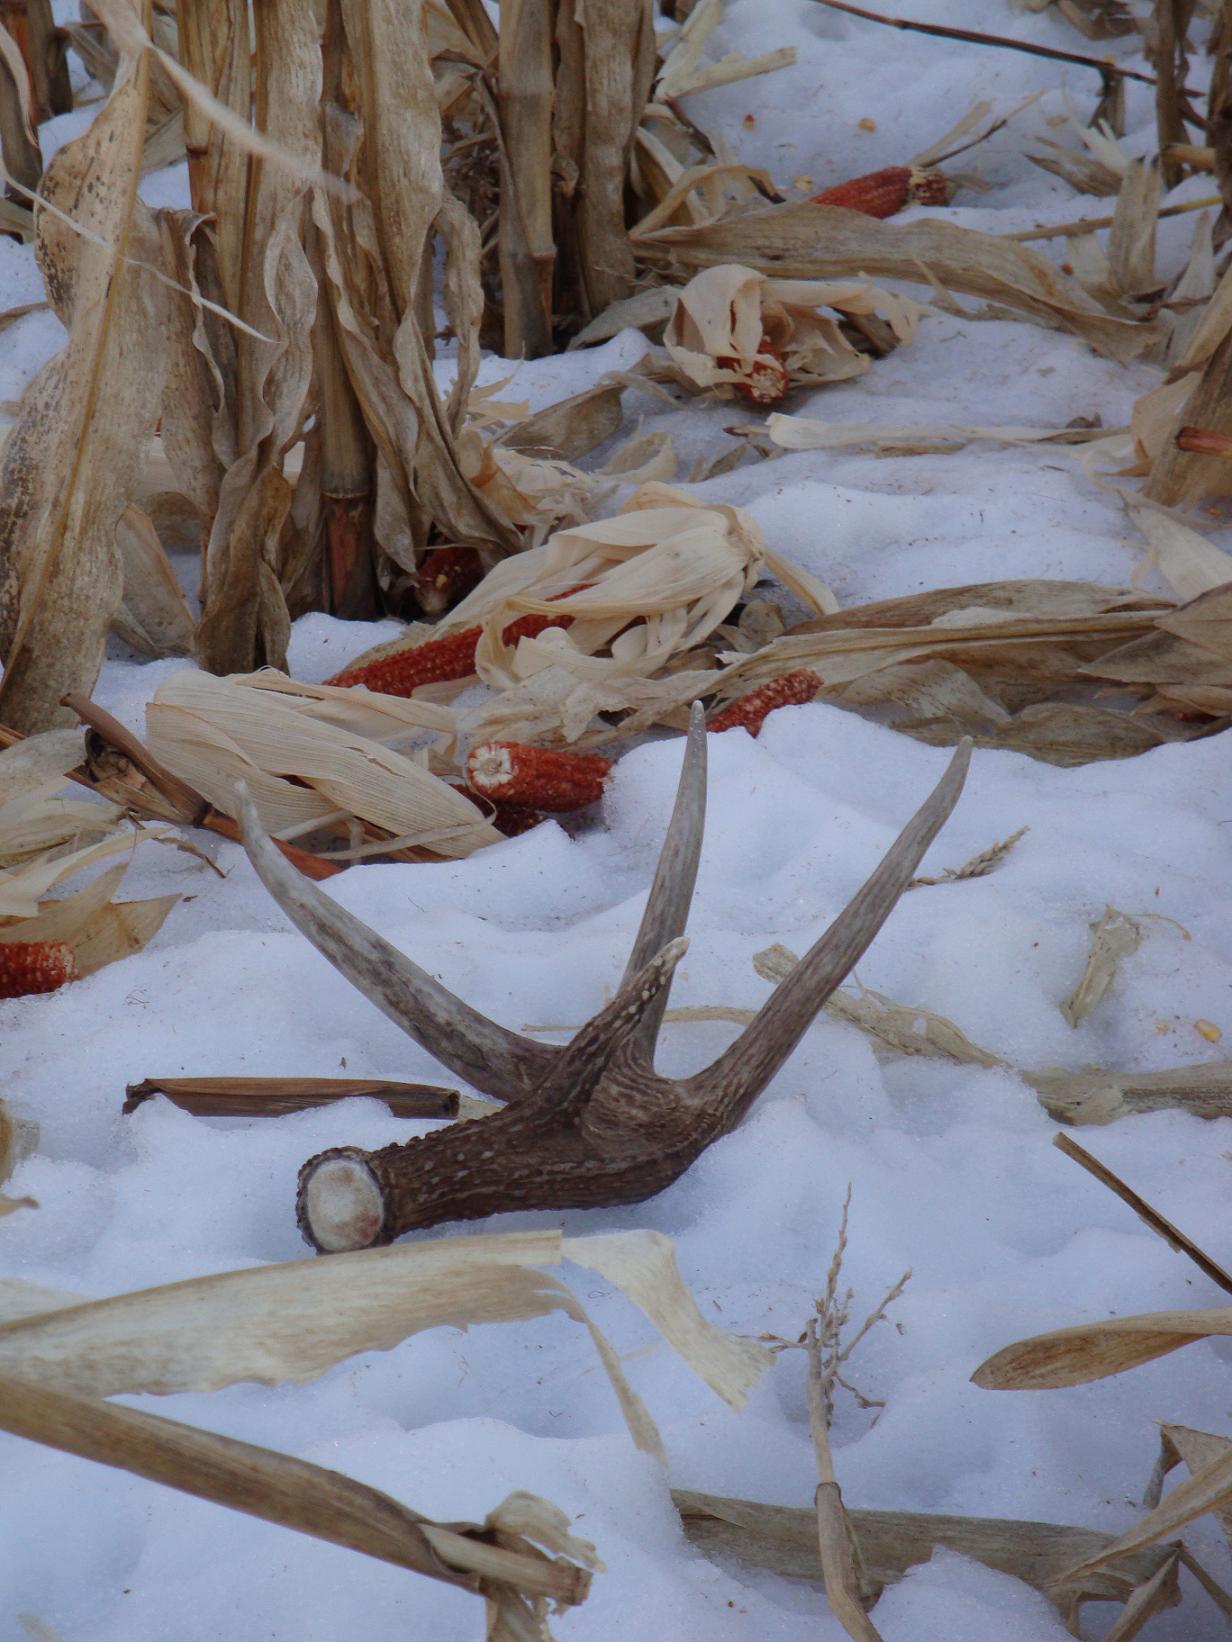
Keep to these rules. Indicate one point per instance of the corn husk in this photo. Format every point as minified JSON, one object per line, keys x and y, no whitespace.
{"x":659,"y":577}
{"x":724,"y":316}
{"x":1114,"y":937}
{"x":1017,"y":665}
{"x":809,"y":241}
{"x":310,"y":754}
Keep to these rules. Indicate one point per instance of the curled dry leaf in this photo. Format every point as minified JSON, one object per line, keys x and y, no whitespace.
{"x":1114,"y":937}
{"x":215,"y":1331}
{"x":736,"y":332}
{"x":1093,"y":1351}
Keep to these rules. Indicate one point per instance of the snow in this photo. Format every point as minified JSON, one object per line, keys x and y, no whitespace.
{"x":951,"y":1169}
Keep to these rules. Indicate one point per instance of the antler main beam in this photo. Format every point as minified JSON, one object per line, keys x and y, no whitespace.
{"x":589,"y":1124}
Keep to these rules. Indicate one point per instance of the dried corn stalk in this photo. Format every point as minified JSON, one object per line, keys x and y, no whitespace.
{"x":736,"y":332}
{"x":313,"y":757}
{"x":69,"y":464}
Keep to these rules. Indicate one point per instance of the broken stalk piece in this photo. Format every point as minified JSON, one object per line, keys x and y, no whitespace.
{"x":587,"y":1124}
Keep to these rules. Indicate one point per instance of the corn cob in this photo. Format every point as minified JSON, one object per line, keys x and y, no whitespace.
{"x":450,"y":657}
{"x":446,"y":576}
{"x":539,"y":778}
{"x":35,"y":966}
{"x":750,"y":712}
{"x":768,"y":380}
{"x":882,"y":193}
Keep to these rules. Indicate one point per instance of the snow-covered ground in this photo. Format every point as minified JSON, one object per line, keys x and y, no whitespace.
{"x":951,"y":1169}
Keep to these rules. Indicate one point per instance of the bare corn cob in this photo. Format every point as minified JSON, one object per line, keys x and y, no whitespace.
{"x":35,"y":966}
{"x":882,"y":193}
{"x":538,"y":778}
{"x":750,"y":712}
{"x":768,"y":380}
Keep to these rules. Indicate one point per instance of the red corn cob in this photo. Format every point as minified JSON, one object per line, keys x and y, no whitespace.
{"x":882,"y":193}
{"x":449,"y":657}
{"x":35,"y":966}
{"x":446,"y":576}
{"x":768,"y":380}
{"x":751,"y":711}
{"x":536,"y":777}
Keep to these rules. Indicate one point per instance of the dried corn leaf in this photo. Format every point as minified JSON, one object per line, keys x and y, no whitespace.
{"x":312,"y":1500}
{"x":69,"y":464}
{"x":732,"y":329}
{"x":154,"y":616}
{"x":303,"y":762}
{"x":1093,"y":1351}
{"x":808,"y":241}
{"x":22,"y":886}
{"x":888,"y":439}
{"x":1207,"y":1489}
{"x":1186,"y":560}
{"x":1187,"y":660}
{"x":250,"y":1325}
{"x":1003,"y":662}
{"x":99,"y":930}
{"x":783,"y":1539}
{"x":1098,"y":1097}
{"x":1114,"y":937}
{"x":1182,"y":1445}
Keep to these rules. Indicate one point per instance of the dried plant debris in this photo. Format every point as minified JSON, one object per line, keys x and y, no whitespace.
{"x":1016,"y":665}
{"x":806,"y":241}
{"x":643,"y":586}
{"x":271,"y":1097}
{"x":894,"y":1028}
{"x":313,"y":756}
{"x":979,"y":866}
{"x":1113,"y":938}
{"x":732,"y":331}
{"x":1098,"y":1096}
{"x":214,"y":1331}
{"x":46,"y":943}
{"x":69,"y":464}
{"x":783,"y":1539}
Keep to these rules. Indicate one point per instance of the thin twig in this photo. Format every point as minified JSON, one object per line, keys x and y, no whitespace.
{"x":1151,"y":1217}
{"x":975,"y":38}
{"x":1086,"y":225}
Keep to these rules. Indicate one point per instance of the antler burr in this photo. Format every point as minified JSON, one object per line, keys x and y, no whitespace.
{"x":590,"y":1123}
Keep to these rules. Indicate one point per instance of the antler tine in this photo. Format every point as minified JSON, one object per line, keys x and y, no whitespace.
{"x":491,"y":1058}
{"x":671,"y":892}
{"x":594,"y":1045}
{"x":742,"y":1072}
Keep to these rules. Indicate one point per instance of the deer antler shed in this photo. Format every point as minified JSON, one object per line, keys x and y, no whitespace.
{"x":591,"y":1123}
